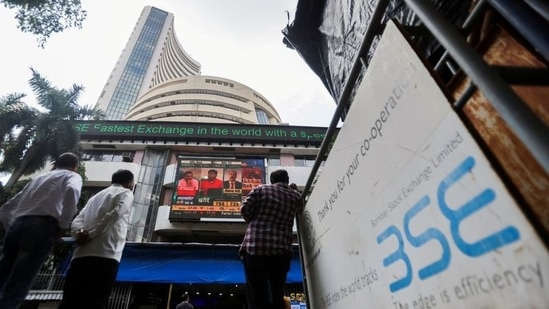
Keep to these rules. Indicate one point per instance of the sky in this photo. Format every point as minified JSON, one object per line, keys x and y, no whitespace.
{"x":237,"y":39}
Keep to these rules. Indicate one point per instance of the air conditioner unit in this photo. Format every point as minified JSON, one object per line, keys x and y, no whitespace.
{"x":127,"y":156}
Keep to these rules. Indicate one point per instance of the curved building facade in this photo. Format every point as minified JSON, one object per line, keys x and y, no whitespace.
{"x":173,"y":62}
{"x":176,"y":117}
{"x":151,"y":56}
{"x":203,"y":98}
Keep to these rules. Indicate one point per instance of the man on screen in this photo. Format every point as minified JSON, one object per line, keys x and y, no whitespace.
{"x":212,"y":182}
{"x":188,"y":185}
{"x":232,"y":183}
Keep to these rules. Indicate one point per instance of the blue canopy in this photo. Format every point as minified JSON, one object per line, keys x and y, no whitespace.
{"x":184,"y":263}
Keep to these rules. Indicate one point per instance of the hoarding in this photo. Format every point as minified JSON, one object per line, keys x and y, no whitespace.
{"x":199,"y":132}
{"x":213,"y":189}
{"x":408,"y":212}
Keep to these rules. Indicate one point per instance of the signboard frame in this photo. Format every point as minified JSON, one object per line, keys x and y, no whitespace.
{"x":200,"y":132}
{"x":196,"y":197}
{"x":408,"y":212}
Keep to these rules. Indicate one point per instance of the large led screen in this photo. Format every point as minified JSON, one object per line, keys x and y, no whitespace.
{"x":213,"y":189}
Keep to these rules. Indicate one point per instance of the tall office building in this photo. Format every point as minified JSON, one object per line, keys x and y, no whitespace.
{"x":152,"y":56}
{"x":156,"y":80}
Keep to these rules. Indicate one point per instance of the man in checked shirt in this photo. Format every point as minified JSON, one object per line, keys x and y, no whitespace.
{"x":266,"y":249}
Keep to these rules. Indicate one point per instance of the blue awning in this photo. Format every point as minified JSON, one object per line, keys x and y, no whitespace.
{"x":188,"y":263}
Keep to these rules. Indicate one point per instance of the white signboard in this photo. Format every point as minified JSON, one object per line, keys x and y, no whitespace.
{"x":408,"y":212}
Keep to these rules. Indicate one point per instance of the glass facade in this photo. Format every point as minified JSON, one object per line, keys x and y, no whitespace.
{"x":147,"y":195}
{"x":108,"y":156}
{"x":273,"y":162}
{"x":305,"y":161}
{"x":128,"y":86}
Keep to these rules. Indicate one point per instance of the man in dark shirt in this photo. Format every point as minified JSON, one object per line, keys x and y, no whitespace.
{"x":231,"y":182}
{"x":266,"y":249}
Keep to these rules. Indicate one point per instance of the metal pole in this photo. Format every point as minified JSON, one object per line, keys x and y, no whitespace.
{"x":371,"y":32}
{"x":369,"y":36}
{"x":523,"y":75}
{"x":528,"y":22}
{"x":540,"y":6}
{"x":526,"y":125}
{"x":471,"y":20}
{"x":169,"y":296}
{"x":460,"y":103}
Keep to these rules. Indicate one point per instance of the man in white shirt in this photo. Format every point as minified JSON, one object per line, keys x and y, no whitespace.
{"x":34,"y":219}
{"x":100,"y":234}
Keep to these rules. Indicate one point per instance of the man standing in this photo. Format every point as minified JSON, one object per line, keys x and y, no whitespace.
{"x":100,"y":234}
{"x":232,"y":183}
{"x":185,"y":303}
{"x":34,"y":219}
{"x":266,"y":249}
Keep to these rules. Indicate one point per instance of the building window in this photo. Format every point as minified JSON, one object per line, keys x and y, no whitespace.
{"x":108,"y":156}
{"x":305,"y":161}
{"x":262,"y":117}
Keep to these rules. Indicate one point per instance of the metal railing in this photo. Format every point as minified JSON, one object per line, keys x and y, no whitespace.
{"x":459,"y":55}
{"x":490,"y":80}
